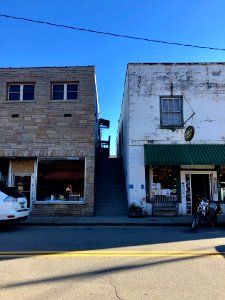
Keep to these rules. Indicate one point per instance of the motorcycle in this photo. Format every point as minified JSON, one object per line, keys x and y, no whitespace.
{"x":207,"y":211}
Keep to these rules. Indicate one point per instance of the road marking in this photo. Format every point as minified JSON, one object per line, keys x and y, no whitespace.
{"x":112,"y":254}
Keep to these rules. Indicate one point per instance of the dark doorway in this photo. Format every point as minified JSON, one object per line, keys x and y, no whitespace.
{"x":23,"y":185}
{"x":200,"y":187}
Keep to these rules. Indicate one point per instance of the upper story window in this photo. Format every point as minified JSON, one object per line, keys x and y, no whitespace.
{"x":20,"y":92}
{"x":171,"y":110}
{"x":64,"y":91}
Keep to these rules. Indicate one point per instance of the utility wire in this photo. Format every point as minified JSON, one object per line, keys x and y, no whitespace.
{"x":112,"y":34}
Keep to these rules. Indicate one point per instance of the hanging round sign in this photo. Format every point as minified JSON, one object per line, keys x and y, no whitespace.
{"x":189,"y":133}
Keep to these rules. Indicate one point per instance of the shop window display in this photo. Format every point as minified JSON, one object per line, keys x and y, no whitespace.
{"x":60,"y":180}
{"x":164,"y":181}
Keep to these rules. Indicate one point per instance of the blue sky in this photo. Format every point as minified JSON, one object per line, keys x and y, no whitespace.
{"x":25,"y":44}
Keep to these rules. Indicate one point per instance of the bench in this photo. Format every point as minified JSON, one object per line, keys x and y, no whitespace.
{"x":164,"y":205}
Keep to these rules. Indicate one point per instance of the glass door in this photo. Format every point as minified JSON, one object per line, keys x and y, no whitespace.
{"x":23,"y":184}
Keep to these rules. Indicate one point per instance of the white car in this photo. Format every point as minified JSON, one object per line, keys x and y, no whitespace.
{"x":13,"y":205}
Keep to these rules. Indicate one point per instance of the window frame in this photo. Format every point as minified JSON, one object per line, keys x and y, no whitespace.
{"x":172,"y":126}
{"x":21,"y":91}
{"x":65,"y":91}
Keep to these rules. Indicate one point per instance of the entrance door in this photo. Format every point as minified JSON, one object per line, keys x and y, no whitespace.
{"x":23,"y":184}
{"x":200,"y":186}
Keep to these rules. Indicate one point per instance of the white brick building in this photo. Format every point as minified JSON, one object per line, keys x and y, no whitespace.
{"x":162,"y":100}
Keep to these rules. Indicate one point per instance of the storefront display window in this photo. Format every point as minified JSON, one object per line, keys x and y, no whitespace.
{"x":165,"y":181}
{"x":60,"y":179}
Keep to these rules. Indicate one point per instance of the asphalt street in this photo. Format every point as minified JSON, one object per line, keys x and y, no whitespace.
{"x":112,"y":262}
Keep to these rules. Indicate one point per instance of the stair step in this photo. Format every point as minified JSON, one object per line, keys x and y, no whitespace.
{"x":110,"y":198}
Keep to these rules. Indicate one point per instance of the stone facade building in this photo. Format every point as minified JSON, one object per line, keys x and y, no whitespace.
{"x":171,"y":135}
{"x":49,"y":134}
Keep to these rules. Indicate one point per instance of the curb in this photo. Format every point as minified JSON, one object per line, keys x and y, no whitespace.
{"x":102,"y":224}
{"x":157,"y":224}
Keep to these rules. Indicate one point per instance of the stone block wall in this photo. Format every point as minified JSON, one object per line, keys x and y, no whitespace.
{"x":51,"y":128}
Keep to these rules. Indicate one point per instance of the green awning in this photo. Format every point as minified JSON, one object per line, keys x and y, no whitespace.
{"x":183,"y":154}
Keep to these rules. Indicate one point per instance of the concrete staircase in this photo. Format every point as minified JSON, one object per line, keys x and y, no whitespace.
{"x":110,"y":199}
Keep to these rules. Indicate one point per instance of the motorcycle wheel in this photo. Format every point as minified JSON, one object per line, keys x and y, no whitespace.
{"x":195,"y":222}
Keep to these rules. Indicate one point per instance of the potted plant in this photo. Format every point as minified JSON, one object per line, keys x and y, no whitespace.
{"x":135,"y":211}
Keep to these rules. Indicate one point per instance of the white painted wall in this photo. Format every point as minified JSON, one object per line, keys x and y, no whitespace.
{"x":123,"y":135}
{"x":136,"y":174}
{"x":204,"y":92}
{"x":202,"y":86}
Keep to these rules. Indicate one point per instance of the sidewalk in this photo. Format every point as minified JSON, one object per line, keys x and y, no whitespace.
{"x":112,"y":221}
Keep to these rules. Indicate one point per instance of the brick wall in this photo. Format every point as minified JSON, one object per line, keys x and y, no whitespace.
{"x":42,"y":128}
